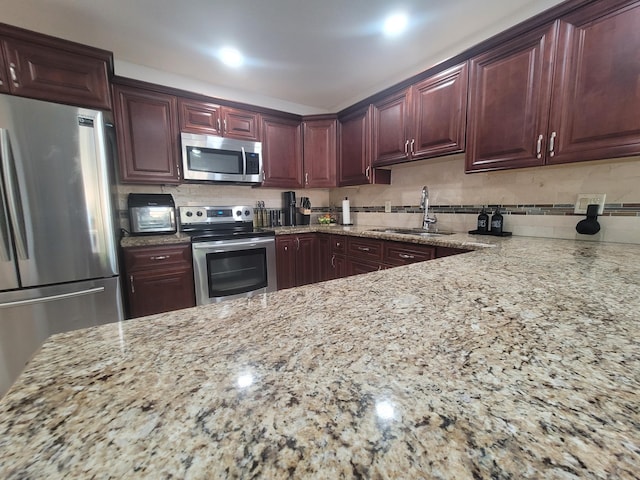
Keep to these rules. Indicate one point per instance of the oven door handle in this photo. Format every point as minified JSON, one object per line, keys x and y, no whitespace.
{"x":222,"y":244}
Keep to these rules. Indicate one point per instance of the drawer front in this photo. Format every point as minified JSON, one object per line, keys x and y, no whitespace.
{"x":338,"y":244}
{"x":397,"y":253}
{"x":157,"y":257}
{"x":364,"y":249}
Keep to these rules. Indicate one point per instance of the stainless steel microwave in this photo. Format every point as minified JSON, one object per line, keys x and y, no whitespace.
{"x":221,"y":159}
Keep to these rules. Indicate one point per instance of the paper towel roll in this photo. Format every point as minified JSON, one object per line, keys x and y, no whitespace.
{"x":346,"y":213}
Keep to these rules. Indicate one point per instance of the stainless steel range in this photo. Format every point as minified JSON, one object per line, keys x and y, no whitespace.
{"x":231,"y":259}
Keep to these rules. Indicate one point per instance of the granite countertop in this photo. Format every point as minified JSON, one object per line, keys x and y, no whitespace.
{"x":517,"y":361}
{"x":457,"y":240}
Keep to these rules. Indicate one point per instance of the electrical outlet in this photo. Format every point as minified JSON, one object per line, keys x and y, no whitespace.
{"x":387,"y":206}
{"x":586,"y":199}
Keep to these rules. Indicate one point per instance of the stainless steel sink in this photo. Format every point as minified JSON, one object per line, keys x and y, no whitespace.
{"x":412,"y":231}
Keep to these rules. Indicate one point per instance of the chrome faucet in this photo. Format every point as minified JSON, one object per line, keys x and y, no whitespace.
{"x":427,"y":221}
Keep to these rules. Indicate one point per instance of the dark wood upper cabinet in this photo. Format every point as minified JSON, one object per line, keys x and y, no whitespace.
{"x":147,"y":129}
{"x":212,"y":119}
{"x":282,"y":152}
{"x":595,"y":108}
{"x":509,"y":96}
{"x":354,"y":161}
{"x":425,"y":120}
{"x":240,"y":124}
{"x":50,"y":73}
{"x":391,"y":119}
{"x":440,"y":113}
{"x":320,"y":152}
{"x":199,"y":117}
{"x":564,"y":93}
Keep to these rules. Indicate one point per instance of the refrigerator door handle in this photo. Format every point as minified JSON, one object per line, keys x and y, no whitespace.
{"x":13,"y":197}
{"x":31,"y":301}
{"x":6,"y":250}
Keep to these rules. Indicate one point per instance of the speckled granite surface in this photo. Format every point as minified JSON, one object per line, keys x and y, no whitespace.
{"x":519,"y":361}
{"x":458,"y":240}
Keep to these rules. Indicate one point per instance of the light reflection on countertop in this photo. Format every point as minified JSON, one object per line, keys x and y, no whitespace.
{"x":518,"y":361}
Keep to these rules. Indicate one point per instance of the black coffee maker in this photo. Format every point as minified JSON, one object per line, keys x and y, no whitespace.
{"x":289,"y":203}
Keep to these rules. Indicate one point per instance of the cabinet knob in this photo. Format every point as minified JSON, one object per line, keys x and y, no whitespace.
{"x":406,"y":147}
{"x":405,"y":256}
{"x":160,"y":257}
{"x":364,"y":249}
{"x":133,"y":290}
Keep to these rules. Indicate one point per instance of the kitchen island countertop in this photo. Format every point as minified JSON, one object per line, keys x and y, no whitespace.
{"x":517,"y":361}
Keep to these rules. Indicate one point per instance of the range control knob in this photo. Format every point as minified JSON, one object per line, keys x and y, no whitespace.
{"x":199,"y":213}
{"x":189,"y":213}
{"x":239,"y":213}
{"x":246,"y":213}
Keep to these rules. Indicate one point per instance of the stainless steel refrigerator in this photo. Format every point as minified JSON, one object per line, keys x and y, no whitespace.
{"x":58,"y":260}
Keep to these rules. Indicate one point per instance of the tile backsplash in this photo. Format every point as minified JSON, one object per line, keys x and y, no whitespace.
{"x":538,"y":201}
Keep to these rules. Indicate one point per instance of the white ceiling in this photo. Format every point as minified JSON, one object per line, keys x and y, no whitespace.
{"x":305,"y":56}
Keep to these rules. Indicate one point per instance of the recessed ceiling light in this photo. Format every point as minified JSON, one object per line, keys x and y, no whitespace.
{"x":231,"y":57}
{"x":395,"y":24}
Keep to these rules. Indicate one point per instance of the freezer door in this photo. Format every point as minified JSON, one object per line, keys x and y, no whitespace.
{"x":57,"y":189}
{"x":29,"y":317}
{"x":8,"y":272}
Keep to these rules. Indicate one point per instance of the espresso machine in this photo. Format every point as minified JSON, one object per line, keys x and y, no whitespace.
{"x":289,"y":208}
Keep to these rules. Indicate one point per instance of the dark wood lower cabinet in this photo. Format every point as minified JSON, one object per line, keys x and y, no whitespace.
{"x":357,"y":266}
{"x":317,"y":257}
{"x":296,"y":260}
{"x":158,"y":279}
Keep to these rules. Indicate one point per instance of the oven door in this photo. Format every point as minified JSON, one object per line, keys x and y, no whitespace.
{"x":225,"y":269}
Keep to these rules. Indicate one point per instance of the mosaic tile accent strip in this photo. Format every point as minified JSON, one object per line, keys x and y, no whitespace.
{"x":610,"y":209}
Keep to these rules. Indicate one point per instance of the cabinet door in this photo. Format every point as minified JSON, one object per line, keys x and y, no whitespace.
{"x":282,"y":152}
{"x":596,"y":98}
{"x":306,"y":259}
{"x":323,"y":249}
{"x":4,"y":78}
{"x":320,"y":153}
{"x":390,"y":131}
{"x":439,"y":116}
{"x":147,"y":136}
{"x":338,"y":266}
{"x":286,"y":261}
{"x":355,"y":162}
{"x":199,"y":117}
{"x":48,"y":73}
{"x":509,"y":95}
{"x":160,"y":290}
{"x":356,"y":266}
{"x":240,"y":124}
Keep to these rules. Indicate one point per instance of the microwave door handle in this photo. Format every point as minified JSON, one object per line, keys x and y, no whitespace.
{"x":13,"y":195}
{"x":244,"y":162}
